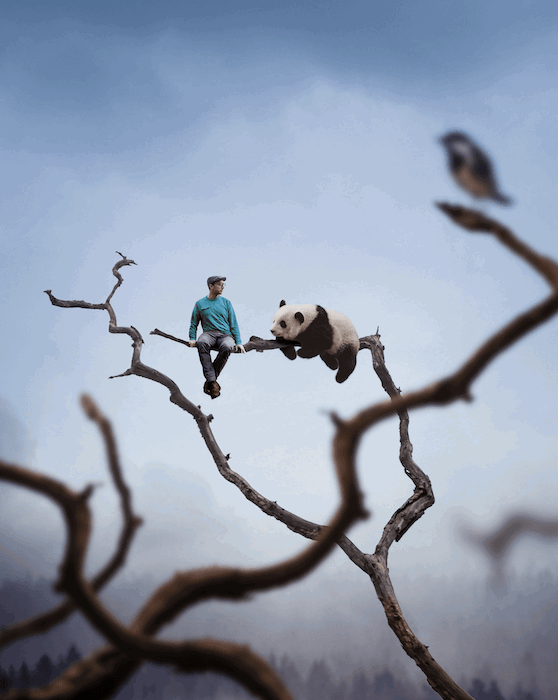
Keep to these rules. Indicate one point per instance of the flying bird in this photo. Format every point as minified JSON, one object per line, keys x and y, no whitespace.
{"x":471,"y":167}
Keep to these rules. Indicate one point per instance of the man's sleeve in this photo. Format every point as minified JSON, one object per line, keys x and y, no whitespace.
{"x":194,"y":322}
{"x":234,"y":325}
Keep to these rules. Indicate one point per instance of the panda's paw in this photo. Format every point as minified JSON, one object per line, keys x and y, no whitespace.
{"x":289,"y":352}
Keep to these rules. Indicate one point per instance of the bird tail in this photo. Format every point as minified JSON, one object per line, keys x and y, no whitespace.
{"x":502,"y":199}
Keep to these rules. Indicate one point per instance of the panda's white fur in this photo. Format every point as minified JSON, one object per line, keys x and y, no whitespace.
{"x":319,"y":331}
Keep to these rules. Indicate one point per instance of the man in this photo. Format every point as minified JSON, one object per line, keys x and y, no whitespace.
{"x":220,"y":332}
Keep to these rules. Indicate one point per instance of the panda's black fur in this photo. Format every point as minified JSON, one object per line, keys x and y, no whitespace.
{"x":318,"y":335}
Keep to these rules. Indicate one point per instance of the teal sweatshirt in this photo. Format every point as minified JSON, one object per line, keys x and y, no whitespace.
{"x":215,"y":315}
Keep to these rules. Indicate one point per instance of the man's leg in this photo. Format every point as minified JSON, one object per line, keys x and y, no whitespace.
{"x":205,"y":343}
{"x":224,"y":345}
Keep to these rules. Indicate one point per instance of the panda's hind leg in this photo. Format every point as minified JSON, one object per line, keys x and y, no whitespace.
{"x":347,"y":363}
{"x":330,"y":360}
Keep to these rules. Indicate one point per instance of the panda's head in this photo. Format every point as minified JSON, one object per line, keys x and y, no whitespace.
{"x":292,"y":319}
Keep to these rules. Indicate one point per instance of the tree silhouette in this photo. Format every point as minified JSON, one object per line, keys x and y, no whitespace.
{"x":362,"y":687}
{"x":4,"y":681}
{"x":291,"y":675}
{"x":320,"y":684}
{"x":154,"y":681}
{"x":384,"y":684}
{"x":480,"y":692}
{"x":73,"y":655}
{"x":23,"y":679}
{"x":44,"y":670}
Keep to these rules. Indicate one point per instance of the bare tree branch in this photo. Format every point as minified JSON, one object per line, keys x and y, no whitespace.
{"x":156,"y":331}
{"x":109,"y":668}
{"x":476,"y":221}
{"x":456,"y":386}
{"x":414,"y":508}
{"x":496,"y":543}
{"x":192,"y":586}
{"x":405,"y":516}
{"x":113,"y":327}
{"x":45,"y":621}
{"x":255,"y":343}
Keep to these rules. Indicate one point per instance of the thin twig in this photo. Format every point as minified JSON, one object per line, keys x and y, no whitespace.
{"x":255,"y":343}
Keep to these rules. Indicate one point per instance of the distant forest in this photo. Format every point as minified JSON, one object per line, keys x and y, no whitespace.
{"x":307,"y":680}
{"x":158,"y":683}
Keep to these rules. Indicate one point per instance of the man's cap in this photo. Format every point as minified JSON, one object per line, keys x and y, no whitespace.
{"x":215,"y":278}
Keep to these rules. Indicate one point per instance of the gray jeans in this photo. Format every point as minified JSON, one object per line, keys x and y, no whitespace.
{"x":214,"y":340}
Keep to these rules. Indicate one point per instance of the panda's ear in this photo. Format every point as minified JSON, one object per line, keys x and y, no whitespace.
{"x":299,"y":317}
{"x":282,"y":303}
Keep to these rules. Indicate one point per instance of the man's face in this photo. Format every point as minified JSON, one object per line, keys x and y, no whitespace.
{"x":217,"y":287}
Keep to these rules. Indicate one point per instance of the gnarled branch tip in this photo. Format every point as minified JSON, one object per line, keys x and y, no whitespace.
{"x":128,"y":260}
{"x":127,"y":373}
{"x":89,"y":406}
{"x":337,"y":421}
{"x":88,"y":490}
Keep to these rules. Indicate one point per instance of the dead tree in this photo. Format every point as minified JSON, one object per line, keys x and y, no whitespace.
{"x":100,"y":674}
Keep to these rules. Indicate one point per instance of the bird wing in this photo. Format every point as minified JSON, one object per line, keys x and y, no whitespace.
{"x":481,"y":166}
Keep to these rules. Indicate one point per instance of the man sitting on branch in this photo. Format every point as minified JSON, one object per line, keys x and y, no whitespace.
{"x":220,"y":332}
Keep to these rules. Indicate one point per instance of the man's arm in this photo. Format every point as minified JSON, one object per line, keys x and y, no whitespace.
{"x":235,"y":331}
{"x":194,"y":324}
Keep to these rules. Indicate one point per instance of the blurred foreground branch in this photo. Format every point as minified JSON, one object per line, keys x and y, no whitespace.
{"x":497,"y":543}
{"x":100,"y":674}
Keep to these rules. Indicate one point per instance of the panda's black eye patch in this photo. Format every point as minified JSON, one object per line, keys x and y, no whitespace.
{"x":283,"y":324}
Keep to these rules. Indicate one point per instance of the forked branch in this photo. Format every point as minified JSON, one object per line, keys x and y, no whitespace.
{"x":103,"y":672}
{"x":456,"y":386}
{"x":45,"y":621}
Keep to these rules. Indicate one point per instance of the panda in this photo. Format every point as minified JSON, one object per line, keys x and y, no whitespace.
{"x":321,"y":332}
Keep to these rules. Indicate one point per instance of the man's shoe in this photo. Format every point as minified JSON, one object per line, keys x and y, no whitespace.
{"x":214,"y":389}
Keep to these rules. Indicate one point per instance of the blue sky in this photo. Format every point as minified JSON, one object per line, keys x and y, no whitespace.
{"x":293,"y":149}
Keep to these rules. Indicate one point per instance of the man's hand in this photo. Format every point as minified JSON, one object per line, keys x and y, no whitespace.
{"x":192,"y":343}
{"x":240,"y":348}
